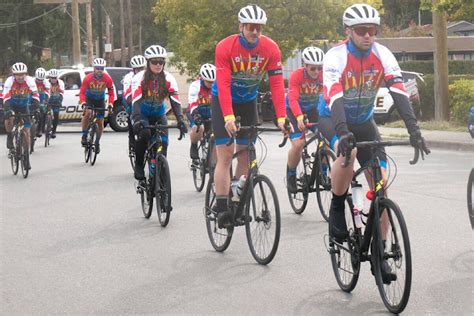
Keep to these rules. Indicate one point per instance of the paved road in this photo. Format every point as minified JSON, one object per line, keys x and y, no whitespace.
{"x":73,"y":240}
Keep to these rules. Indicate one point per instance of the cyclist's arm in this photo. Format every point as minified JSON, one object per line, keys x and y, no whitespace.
{"x":223,"y":80}
{"x":193,"y":95}
{"x":294,"y":95}
{"x":83,"y":90}
{"x":137,"y":96}
{"x":35,"y":98}
{"x":111,"y":91}
{"x":277,"y":85}
{"x":174,"y":96}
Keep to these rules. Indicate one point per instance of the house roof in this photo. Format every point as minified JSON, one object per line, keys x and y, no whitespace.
{"x":426,"y":44}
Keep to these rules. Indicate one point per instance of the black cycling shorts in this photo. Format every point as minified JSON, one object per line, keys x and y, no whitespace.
{"x":248,"y":116}
{"x":97,"y":104}
{"x":312,"y":116}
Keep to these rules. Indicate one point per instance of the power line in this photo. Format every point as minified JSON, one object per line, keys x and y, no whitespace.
{"x":8,"y":25}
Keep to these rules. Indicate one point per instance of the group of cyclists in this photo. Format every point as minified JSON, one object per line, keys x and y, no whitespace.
{"x":335,"y":89}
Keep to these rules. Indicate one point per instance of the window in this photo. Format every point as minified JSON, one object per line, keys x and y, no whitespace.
{"x":72,"y":80}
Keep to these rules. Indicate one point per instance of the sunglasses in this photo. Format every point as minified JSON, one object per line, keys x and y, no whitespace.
{"x":362,"y":30}
{"x":157,"y":62}
{"x":252,"y":27}
{"x":314,"y":68}
{"x":99,"y":68}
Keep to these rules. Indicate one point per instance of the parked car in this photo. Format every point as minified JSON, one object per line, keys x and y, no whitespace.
{"x":71,"y":110}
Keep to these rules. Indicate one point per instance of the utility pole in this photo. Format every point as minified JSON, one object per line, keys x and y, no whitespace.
{"x":140,"y":45}
{"x":99,"y":28}
{"x":90,"y":50}
{"x":122,"y":35}
{"x":108,"y":35}
{"x":129,"y":29}
{"x":17,"y":33}
{"x":76,"y":36}
{"x":440,"y":56}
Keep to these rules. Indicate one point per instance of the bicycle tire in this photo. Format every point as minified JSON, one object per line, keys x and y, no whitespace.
{"x":260,"y":221}
{"x":299,"y":200}
{"x":211,"y":157}
{"x":24,"y":156}
{"x":33,"y":135}
{"x":163,"y":190}
{"x":345,"y":265}
{"x":470,"y":208}
{"x":146,"y":189}
{"x":131,"y":157}
{"x":394,"y":258}
{"x":323,"y":181}
{"x":91,"y":143}
{"x":199,"y":169}
{"x":47,"y":132}
{"x":220,"y":238}
{"x":14,"y":161}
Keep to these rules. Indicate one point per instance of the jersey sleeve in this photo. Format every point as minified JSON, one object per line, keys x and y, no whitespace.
{"x":392,"y":72}
{"x":172,"y":88}
{"x":7,"y":95}
{"x":111,"y":89}
{"x":33,"y":88}
{"x":193,"y":95}
{"x":84,"y":87}
{"x":61,"y":87}
{"x":294,"y":94}
{"x":47,"y":86}
{"x":223,"y":79}
{"x":137,"y":86}
{"x":333,"y":66}
{"x":277,"y":85}
{"x":127,"y":85}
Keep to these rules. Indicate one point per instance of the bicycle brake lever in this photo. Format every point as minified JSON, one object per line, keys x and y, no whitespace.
{"x":417,"y":155}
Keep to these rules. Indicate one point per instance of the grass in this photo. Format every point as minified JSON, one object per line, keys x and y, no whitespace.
{"x":432,"y":125}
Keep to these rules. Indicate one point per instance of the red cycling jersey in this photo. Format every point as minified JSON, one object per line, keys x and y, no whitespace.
{"x":303,"y":92}
{"x":94,"y":88}
{"x":239,"y":71}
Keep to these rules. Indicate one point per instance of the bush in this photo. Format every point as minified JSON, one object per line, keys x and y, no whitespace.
{"x":456,"y":67}
{"x":461,"y":98}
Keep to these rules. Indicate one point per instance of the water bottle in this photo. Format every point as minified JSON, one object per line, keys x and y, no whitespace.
{"x":233,"y":186}
{"x":358,"y":201}
{"x":152,"y":167}
{"x":241,"y":184}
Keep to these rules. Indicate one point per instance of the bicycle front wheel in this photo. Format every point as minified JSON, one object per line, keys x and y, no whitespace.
{"x":299,"y":199}
{"x":219,"y":237}
{"x":324,"y":161}
{"x":15,"y":153}
{"x":25,"y":157}
{"x":33,"y":128}
{"x":91,"y":144}
{"x":470,"y":208}
{"x":198,"y":167}
{"x":391,"y":252}
{"x":163,"y":190}
{"x":146,"y":189}
{"x":47,"y":132}
{"x":262,"y":223}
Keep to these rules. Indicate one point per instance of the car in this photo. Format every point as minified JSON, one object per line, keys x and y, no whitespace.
{"x":384,"y":109}
{"x":71,"y":111}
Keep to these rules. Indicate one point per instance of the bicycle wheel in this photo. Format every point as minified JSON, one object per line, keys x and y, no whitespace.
{"x":396,"y":254}
{"x":262,"y":224}
{"x":470,"y":208}
{"x":146,"y":189}
{"x":198,"y":167}
{"x":25,"y":157}
{"x":324,"y":160}
{"x":131,"y":156}
{"x":220,"y":237}
{"x":91,"y":142}
{"x":47,"y":132}
{"x":87,"y":152}
{"x":299,"y":199}
{"x":14,"y":153}
{"x":33,"y":128}
{"x":163,"y":190}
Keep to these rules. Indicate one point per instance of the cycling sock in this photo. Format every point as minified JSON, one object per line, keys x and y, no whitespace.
{"x":338,"y":202}
{"x":221,"y":202}
{"x":291,"y":171}
{"x":98,"y":138}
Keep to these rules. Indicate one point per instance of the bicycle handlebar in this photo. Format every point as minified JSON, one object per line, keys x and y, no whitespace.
{"x":261,"y":129}
{"x":163,"y":126}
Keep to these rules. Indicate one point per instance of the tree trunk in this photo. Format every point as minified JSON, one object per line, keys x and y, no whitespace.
{"x":122,"y":35}
{"x":129,"y":30}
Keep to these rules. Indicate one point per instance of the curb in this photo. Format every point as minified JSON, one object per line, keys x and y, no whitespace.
{"x":439,"y":144}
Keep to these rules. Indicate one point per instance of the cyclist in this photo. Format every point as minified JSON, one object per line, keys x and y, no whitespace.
{"x":43,"y":90}
{"x":56,"y":91}
{"x":138,"y":64}
{"x":305,"y":86}
{"x":199,"y":97}
{"x":352,"y":74}
{"x":241,"y":62}
{"x":150,"y":87}
{"x":92,"y":94}
{"x":16,"y":92}
{"x":470,"y":124}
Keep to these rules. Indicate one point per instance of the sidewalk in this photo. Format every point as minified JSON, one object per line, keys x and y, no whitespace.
{"x":460,"y":141}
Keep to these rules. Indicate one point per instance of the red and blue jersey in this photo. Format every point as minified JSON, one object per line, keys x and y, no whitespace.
{"x":239,"y":69}
{"x":43,"y":90}
{"x":19,"y":93}
{"x":199,"y":97}
{"x":94,"y":88}
{"x":356,"y":77}
{"x":303,"y":92}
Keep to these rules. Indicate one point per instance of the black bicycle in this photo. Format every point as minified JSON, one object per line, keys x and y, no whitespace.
{"x":206,"y":162}
{"x":19,"y":155}
{"x":48,"y":126}
{"x":257,"y":207}
{"x":470,"y":207}
{"x":35,"y":124}
{"x":90,"y":152}
{"x":157,"y":182}
{"x":313,"y":174}
{"x":382,"y":238}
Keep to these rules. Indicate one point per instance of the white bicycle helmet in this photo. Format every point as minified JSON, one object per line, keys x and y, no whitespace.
{"x":360,"y":14}
{"x":19,"y":68}
{"x":155,"y":51}
{"x":312,"y":56}
{"x":99,"y":62}
{"x":252,"y":14}
{"x":40,"y":73}
{"x":53,"y":73}
{"x":138,"y":61}
{"x":208,"y":72}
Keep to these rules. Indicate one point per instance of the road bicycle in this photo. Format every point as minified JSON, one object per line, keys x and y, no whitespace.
{"x":90,"y":151}
{"x":382,"y":238}
{"x":313,"y":173}
{"x":48,"y":126}
{"x":256,"y":208}
{"x":19,"y":155}
{"x":157,"y":183}
{"x":206,"y":162}
{"x":35,"y":124}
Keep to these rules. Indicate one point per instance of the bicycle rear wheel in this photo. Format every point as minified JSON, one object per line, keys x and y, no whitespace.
{"x":219,"y":237}
{"x":14,"y":153}
{"x":324,"y":160}
{"x":470,"y":208}
{"x":47,"y":132}
{"x":262,"y":220}
{"x":396,"y":253}
{"x":199,"y":167}
{"x":25,"y":156}
{"x":163,"y":190}
{"x":91,"y":142}
{"x":299,"y":199}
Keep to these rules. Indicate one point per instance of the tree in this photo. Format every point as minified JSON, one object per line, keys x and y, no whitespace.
{"x":195,"y":27}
